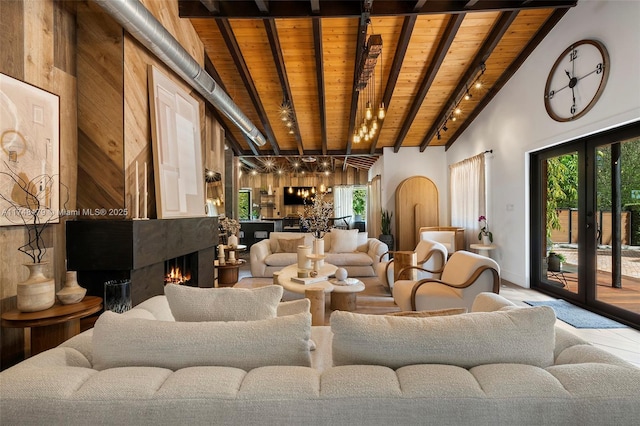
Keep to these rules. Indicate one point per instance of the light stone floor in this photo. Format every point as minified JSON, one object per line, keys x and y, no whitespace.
{"x":623,"y":342}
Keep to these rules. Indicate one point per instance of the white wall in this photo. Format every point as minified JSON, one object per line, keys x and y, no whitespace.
{"x":408,"y":162}
{"x":515,"y":122}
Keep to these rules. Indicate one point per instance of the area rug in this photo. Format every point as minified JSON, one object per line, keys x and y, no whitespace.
{"x":576,"y":316}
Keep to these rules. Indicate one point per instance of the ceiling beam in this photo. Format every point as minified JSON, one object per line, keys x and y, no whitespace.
{"x":276,"y":52}
{"x":434,"y":65}
{"x":401,"y":50}
{"x":212,"y":6}
{"x":499,"y":29}
{"x":509,"y":72}
{"x":355,"y":95}
{"x":317,"y":45}
{"x":342,"y":8}
{"x":243,"y":71}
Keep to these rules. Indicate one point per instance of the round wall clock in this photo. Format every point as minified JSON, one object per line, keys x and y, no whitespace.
{"x":576,"y":80}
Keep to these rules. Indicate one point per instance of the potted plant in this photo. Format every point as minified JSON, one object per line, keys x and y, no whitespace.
{"x":358,"y":204}
{"x":27,"y":205}
{"x":485,"y":235}
{"x":386,"y":236}
{"x":555,"y":261}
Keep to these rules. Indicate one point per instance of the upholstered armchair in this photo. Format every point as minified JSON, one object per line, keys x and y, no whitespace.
{"x":464,"y":276}
{"x":431,"y":257}
{"x":450,"y":236}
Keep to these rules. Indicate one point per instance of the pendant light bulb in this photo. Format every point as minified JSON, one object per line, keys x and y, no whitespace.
{"x":368,"y":114}
{"x":381,"y":113}
{"x":290,"y":190}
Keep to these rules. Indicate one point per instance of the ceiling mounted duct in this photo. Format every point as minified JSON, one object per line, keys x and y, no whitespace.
{"x":142,"y":25}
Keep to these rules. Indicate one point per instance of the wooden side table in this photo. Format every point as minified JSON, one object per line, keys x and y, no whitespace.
{"x":52,"y":326}
{"x":228,"y":273}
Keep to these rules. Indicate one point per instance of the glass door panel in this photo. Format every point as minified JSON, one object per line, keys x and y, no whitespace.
{"x":617,"y":178}
{"x":560,"y":265}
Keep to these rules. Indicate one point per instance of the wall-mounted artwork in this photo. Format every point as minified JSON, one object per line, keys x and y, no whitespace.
{"x":29,"y":153}
{"x":177,"y":150}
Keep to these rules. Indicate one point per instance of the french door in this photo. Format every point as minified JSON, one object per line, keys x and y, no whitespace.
{"x":585,"y":212}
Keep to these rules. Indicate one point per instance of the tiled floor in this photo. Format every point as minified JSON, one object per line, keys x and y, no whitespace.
{"x":623,"y":342}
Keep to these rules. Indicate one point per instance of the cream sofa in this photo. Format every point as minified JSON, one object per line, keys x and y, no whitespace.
{"x":500,"y":365}
{"x":266,"y":258}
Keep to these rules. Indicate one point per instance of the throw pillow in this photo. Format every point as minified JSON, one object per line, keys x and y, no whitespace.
{"x":522,"y":336}
{"x":424,"y":314}
{"x":119,"y":341}
{"x":222,"y":304}
{"x":344,"y":241}
{"x":289,"y":245}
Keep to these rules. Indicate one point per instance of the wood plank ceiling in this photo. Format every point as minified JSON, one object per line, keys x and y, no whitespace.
{"x":264,"y":52}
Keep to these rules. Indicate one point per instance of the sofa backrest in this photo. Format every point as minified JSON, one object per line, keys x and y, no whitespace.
{"x":363,"y":240}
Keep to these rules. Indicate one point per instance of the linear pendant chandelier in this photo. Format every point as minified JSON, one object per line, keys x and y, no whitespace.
{"x":365,"y":84}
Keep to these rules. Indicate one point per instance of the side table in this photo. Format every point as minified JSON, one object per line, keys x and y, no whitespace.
{"x":52,"y":326}
{"x":483,"y":249}
{"x":227,"y":273}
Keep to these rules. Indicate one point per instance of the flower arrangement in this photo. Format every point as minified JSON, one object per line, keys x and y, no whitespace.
{"x":484,"y":231}
{"x":316,"y":216}
{"x":230,"y":226}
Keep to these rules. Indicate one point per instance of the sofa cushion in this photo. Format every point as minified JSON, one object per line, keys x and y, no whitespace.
{"x":524,"y":336}
{"x":223,"y":304}
{"x":119,"y":341}
{"x":349,"y":259}
{"x":425,"y":314}
{"x":344,"y":241}
{"x":281,"y":259}
{"x":289,"y":245}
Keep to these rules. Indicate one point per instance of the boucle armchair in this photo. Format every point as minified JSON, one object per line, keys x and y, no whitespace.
{"x":465,"y":275}
{"x":432,"y":256}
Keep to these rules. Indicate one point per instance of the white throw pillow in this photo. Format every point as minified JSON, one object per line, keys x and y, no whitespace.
{"x":522,"y":336}
{"x":119,"y":341}
{"x":344,"y":241}
{"x":222,"y":304}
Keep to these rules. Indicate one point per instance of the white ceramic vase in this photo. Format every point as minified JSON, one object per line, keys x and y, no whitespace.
{"x":485,"y":240}
{"x":232,"y":241}
{"x":71,"y":292}
{"x":37,"y":292}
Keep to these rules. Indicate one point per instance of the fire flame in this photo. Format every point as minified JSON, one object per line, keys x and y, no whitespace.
{"x":175,"y":276}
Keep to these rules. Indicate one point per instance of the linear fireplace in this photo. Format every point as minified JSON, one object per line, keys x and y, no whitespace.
{"x":142,"y":250}
{"x":180,"y":270}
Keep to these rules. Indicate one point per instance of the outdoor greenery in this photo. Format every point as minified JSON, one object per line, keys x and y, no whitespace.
{"x":562,"y":183}
{"x":359,"y":201}
{"x":244,"y":211}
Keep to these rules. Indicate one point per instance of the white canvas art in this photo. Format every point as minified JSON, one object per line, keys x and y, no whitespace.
{"x":29,"y":163}
{"x":177,"y":152}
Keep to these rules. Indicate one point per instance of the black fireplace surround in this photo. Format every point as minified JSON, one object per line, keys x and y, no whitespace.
{"x":103,"y":250}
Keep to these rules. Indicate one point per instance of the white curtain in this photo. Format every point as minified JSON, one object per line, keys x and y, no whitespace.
{"x":343,"y":201}
{"x":468,"y":195}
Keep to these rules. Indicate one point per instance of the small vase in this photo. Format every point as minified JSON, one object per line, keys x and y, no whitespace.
{"x":37,"y":292}
{"x":486,"y":240}
{"x":318,"y":249}
{"x":71,"y":292}
{"x":232,"y":241}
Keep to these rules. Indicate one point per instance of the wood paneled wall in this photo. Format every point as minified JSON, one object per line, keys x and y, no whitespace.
{"x":279,"y":183}
{"x":37,"y":46}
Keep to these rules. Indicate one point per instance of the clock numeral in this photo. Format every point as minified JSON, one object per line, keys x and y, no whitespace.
{"x":573,"y":109}
{"x":551,"y":94}
{"x":573,"y":55}
{"x":599,"y":68}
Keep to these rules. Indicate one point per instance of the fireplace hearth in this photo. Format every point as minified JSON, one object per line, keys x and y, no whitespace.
{"x":141,"y":251}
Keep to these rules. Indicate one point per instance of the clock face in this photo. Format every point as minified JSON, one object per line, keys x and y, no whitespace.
{"x":576,"y":80}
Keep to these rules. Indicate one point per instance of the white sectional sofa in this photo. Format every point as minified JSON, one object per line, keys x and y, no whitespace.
{"x":499,"y":365}
{"x":355,"y":252}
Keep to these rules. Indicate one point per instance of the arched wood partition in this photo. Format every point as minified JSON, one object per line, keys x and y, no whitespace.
{"x":416,"y":206}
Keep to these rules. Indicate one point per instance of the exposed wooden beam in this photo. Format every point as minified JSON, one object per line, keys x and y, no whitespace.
{"x":317,"y":45}
{"x":263,"y":6}
{"x":276,"y":51}
{"x":509,"y":72}
{"x":212,"y":6}
{"x":360,"y":43}
{"x":243,"y":71}
{"x":342,"y":8}
{"x":499,"y":29}
{"x":401,"y":50}
{"x":434,"y":65}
